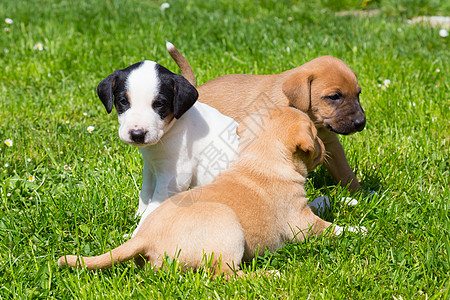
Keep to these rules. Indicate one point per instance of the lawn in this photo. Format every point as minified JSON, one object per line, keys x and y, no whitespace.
{"x":67,"y":190}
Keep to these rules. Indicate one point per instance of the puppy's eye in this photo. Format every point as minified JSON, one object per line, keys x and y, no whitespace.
{"x":157,"y":104}
{"x":334,"y":97}
{"x":123,"y":101}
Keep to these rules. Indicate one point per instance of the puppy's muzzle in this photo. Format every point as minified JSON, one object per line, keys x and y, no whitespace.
{"x":138,"y":136}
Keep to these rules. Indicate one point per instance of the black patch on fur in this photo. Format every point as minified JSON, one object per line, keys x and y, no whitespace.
{"x":176,"y":94}
{"x":111,"y":90}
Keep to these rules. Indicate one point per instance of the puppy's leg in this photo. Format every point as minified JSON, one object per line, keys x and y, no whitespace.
{"x":166,"y":186}
{"x":212,"y":231}
{"x":147,"y":191}
{"x":310,"y":224}
{"x":336,"y":161}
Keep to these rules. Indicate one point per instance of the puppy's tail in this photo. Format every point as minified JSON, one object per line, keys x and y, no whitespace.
{"x":124,"y":252}
{"x":183,"y":64}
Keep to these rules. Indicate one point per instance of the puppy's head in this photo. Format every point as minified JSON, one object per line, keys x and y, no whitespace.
{"x":147,"y":98}
{"x":328,"y":90}
{"x":287,"y":130}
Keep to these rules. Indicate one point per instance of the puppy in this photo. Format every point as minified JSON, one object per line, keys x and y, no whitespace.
{"x":184,"y":143}
{"x":258,"y":203}
{"x":325,"y":88}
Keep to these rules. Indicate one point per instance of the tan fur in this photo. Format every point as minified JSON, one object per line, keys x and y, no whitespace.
{"x":258,"y":203}
{"x":304,"y":87}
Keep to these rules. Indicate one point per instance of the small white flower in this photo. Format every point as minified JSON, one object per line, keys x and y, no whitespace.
{"x":288,"y":50}
{"x":7,"y":29}
{"x":438,"y":70}
{"x":6,"y":165}
{"x":387,"y":82}
{"x":82,"y":159}
{"x":164,"y":6}
{"x":409,"y":21}
{"x":31,"y":178}
{"x":38,"y":46}
{"x":66,"y":167}
{"x":9,"y":21}
{"x":9,"y":194}
{"x":90,"y":129}
{"x":383,"y":88}
{"x":8,"y":142}
{"x":84,"y":114}
{"x":443,"y":33}
{"x":29,"y":160}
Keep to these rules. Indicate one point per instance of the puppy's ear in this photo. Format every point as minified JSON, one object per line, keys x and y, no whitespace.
{"x":297,"y":89}
{"x":105,"y":91}
{"x":185,"y":96}
{"x":304,"y":139}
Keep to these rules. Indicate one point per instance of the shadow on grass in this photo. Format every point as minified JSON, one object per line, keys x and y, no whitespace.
{"x":322,"y":180}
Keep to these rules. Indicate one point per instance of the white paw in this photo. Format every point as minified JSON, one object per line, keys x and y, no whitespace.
{"x":320,"y":205}
{"x":338,"y":230}
{"x":357,"y":229}
{"x":349,"y":201}
{"x":274,"y":273}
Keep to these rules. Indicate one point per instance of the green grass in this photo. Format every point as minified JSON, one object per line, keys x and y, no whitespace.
{"x":86,"y":185}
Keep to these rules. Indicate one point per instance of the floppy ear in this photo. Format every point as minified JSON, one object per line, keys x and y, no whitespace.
{"x":305,"y":141}
{"x":185,"y":96}
{"x":105,"y":91}
{"x":297,"y":89}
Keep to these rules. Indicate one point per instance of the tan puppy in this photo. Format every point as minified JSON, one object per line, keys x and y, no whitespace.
{"x":325,"y":88}
{"x":258,"y":203}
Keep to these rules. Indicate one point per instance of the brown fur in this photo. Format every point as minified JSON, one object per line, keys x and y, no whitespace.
{"x":258,"y":203}
{"x":306,"y":88}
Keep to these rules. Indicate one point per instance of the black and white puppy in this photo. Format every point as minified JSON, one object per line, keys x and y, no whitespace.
{"x":184,"y":143}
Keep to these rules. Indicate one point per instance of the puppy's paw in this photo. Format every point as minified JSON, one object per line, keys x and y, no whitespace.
{"x":338,"y":230}
{"x":357,"y":229}
{"x":274,"y":273}
{"x":349,"y":201}
{"x":320,"y":205}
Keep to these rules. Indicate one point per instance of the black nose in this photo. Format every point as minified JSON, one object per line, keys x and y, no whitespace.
{"x":138,"y":135}
{"x":359,"y":124}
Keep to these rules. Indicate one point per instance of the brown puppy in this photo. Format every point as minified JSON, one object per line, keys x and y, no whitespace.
{"x":258,"y":203}
{"x":325,"y":88}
